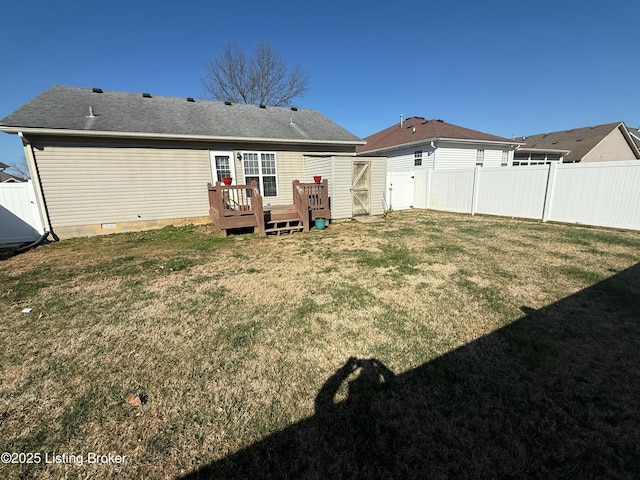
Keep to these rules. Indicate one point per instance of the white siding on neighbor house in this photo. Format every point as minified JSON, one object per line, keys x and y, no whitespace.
{"x":455,"y":157}
{"x":404,"y":160}
{"x":492,"y":158}
{"x":93,"y":185}
{"x":463,"y":156}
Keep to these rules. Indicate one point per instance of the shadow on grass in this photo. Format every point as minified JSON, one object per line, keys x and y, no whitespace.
{"x":556,"y":394}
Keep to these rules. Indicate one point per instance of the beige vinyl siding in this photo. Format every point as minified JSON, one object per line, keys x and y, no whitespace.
{"x":93,"y":185}
{"x":341,"y":201}
{"x":379,"y":183}
{"x":289,"y":167}
{"x":322,"y":166}
{"x":339,"y":171}
{"x":612,"y":148}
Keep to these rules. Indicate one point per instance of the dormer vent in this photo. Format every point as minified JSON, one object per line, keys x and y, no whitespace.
{"x":97,"y":90}
{"x":262,"y":105}
{"x":190,"y":99}
{"x":227,"y":102}
{"x":146,"y":95}
{"x":295,"y":109}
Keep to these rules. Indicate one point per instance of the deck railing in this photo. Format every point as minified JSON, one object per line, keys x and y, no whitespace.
{"x":312,"y":201}
{"x":227,"y":202}
{"x":237,"y":206}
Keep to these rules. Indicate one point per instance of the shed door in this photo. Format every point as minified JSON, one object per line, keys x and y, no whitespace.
{"x":360,"y":188}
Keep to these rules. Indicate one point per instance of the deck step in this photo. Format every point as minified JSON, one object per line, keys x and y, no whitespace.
{"x":283,"y":226}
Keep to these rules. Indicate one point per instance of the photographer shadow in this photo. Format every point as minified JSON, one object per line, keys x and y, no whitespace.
{"x":552,"y":395}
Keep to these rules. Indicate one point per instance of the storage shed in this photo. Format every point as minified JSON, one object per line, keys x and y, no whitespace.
{"x":356,"y":184}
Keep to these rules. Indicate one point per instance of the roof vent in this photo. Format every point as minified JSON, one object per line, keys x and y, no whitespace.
{"x":190,"y":99}
{"x":92,"y":114}
{"x":262,"y":105}
{"x":146,"y":95}
{"x":97,"y":90}
{"x":425,"y":122}
{"x":295,"y":109}
{"x":227,"y":103}
{"x":579,"y":139}
{"x":439,"y":120}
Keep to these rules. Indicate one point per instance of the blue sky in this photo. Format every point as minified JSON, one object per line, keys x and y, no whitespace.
{"x":501,"y":67}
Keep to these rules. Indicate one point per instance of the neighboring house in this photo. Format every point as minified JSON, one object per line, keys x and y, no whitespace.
{"x":6,"y":177}
{"x":635,"y":135}
{"x":418,"y":144}
{"x":600,"y":143}
{"x":114,"y":161}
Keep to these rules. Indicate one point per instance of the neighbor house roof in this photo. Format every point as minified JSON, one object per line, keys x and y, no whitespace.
{"x":635,"y":135}
{"x":84,"y":111}
{"x":415,"y":130}
{"x":577,"y":142}
{"x":6,"y":177}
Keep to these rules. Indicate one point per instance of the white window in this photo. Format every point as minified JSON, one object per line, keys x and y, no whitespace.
{"x":505,"y":158}
{"x":480,"y":157}
{"x":417,"y":158}
{"x":261,"y":167}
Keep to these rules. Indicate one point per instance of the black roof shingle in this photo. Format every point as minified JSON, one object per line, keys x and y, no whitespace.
{"x":93,"y":110}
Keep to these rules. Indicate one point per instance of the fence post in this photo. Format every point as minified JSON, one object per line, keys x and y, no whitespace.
{"x":548,"y":194}
{"x":474,"y":194}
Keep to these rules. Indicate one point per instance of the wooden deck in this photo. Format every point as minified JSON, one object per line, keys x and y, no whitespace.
{"x":241,"y":206}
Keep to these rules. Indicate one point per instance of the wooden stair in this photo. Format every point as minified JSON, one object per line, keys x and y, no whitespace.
{"x":282,"y":220}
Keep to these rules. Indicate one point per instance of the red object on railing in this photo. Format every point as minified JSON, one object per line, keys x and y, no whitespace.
{"x":317,"y":178}
{"x":227,"y":180}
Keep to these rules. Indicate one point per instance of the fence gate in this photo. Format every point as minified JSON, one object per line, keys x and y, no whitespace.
{"x":360,"y":188}
{"x":19,"y":217}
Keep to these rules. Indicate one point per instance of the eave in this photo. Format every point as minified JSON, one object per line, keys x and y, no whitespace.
{"x":171,"y":136}
{"x":441,"y":140}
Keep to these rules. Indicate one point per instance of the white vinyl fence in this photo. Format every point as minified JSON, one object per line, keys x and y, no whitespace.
{"x":19,"y":218}
{"x":601,"y":194}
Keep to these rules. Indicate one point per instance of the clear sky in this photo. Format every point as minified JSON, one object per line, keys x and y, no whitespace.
{"x":501,"y":67}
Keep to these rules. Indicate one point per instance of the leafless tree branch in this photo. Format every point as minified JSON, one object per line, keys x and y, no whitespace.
{"x":261,"y":79}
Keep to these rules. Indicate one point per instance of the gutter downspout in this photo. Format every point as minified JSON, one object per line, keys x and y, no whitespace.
{"x":42,"y":203}
{"x":435,"y":155}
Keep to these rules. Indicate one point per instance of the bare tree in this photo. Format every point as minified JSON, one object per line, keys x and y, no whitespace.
{"x":18,"y":170}
{"x":261,"y":79}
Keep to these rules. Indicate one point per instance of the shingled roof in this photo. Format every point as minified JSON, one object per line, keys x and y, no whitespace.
{"x":417,"y":129}
{"x":578,"y":141}
{"x":84,"y":111}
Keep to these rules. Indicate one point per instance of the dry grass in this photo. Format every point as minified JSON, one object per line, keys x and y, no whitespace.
{"x":232,"y":339}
